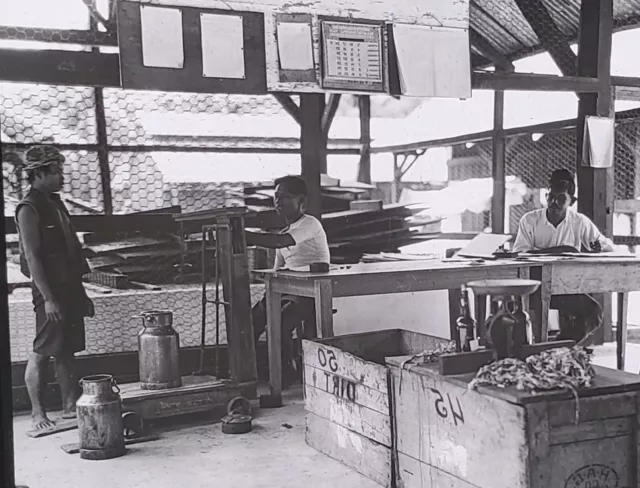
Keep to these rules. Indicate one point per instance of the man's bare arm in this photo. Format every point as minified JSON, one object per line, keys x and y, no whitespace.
{"x":269,"y":240}
{"x":30,"y":236}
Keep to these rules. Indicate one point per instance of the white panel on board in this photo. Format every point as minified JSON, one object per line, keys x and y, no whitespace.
{"x":295,"y":45}
{"x":162,"y":43}
{"x":222,"y":46}
{"x":433,"y":61}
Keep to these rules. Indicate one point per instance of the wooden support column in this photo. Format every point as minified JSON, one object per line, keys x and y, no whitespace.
{"x":498,"y":166}
{"x":103,"y":152}
{"x":364,"y":168}
{"x":313,"y":148}
{"x":396,"y":179}
{"x":595,"y":185}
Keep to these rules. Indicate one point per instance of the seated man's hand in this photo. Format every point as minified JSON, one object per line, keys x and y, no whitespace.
{"x":596,"y":247}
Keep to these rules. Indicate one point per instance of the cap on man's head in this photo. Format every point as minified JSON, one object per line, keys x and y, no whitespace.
{"x":562,"y":180}
{"x":294,"y":184}
{"x":42,"y":156}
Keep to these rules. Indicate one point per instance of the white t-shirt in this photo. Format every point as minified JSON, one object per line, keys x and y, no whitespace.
{"x":535,"y":232}
{"x":311,"y":244}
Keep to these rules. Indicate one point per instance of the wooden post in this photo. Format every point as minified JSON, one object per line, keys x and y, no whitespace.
{"x":313,"y":148}
{"x":595,"y":185}
{"x":396,"y":179}
{"x":364,"y":168}
{"x":498,"y":170}
{"x":103,"y":152}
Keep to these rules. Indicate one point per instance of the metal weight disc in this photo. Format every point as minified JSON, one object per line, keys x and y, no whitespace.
{"x":236,"y":424}
{"x":133,"y":425}
{"x":239,"y":405}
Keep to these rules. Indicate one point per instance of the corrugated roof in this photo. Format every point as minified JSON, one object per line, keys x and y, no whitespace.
{"x":504,"y":26}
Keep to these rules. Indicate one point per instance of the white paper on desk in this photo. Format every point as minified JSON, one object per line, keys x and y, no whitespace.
{"x":222,"y":39}
{"x":484,"y":245}
{"x":162,"y":43}
{"x":598,"y":255}
{"x":433,"y":61}
{"x":599,"y":137}
{"x":295,"y":46}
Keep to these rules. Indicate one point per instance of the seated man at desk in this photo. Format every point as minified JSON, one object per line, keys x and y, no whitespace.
{"x":301,"y":243}
{"x":557,"y":229}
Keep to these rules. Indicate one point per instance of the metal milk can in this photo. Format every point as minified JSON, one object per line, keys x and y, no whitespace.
{"x":158,"y":351}
{"x":99,"y":411}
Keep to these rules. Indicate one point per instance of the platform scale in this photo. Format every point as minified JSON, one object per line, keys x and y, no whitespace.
{"x":205,"y":390}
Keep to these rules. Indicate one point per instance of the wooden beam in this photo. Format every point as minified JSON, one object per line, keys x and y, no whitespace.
{"x":549,"y":35}
{"x":60,"y":67}
{"x":289,"y":106}
{"x":364,"y":166}
{"x":103,"y":152}
{"x":484,"y":80}
{"x":595,"y":185}
{"x":498,"y":165}
{"x":627,"y":93}
{"x":329,"y":114}
{"x":489,"y":51}
{"x":313,"y":148}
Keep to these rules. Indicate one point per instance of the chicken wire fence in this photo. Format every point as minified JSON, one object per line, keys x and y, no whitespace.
{"x":530,"y":160}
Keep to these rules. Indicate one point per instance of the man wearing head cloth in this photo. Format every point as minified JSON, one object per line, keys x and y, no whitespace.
{"x":51,"y":255}
{"x":557,"y":229}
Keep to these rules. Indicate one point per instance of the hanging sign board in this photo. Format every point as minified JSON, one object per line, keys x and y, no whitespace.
{"x":598,"y":142}
{"x":352,"y":56}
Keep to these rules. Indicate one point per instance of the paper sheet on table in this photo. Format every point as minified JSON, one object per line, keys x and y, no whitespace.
{"x":598,"y":255}
{"x":162,"y":43}
{"x":484,"y":245}
{"x":295,"y":46}
{"x":599,"y":137}
{"x":222,"y":46}
{"x":433,"y":61}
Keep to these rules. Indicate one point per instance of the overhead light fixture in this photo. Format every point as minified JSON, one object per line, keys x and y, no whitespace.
{"x":469,"y":145}
{"x":536,"y":136}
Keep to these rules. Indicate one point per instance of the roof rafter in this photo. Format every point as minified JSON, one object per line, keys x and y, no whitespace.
{"x":549,"y":35}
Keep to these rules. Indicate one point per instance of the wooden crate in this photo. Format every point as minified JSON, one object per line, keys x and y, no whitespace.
{"x":449,"y":436}
{"x":347,"y":397}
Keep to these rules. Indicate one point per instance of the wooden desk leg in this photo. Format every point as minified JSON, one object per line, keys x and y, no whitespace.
{"x":540,"y":302}
{"x":274,"y":338}
{"x":621,"y":330}
{"x":323,"y":295}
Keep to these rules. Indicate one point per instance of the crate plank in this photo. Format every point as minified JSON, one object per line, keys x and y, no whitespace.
{"x":333,"y":360}
{"x":460,"y":432}
{"x":413,"y":473}
{"x":356,"y":418}
{"x":594,"y":408}
{"x":596,"y":429}
{"x":346,"y":389}
{"x":365,"y":456}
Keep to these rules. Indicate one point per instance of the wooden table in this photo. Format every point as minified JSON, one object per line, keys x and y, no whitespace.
{"x":367,"y":279}
{"x":567,"y":276}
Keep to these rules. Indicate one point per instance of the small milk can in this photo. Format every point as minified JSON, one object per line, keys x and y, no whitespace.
{"x":99,"y":411}
{"x":158,"y":351}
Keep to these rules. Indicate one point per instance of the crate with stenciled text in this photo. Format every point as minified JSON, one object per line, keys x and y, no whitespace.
{"x":453,"y":437}
{"x":347,"y":397}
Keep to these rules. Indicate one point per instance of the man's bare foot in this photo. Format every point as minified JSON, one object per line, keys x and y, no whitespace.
{"x":69,"y":414}
{"x":42,"y":422}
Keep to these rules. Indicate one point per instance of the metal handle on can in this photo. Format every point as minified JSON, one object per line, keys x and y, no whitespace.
{"x":114,"y":386}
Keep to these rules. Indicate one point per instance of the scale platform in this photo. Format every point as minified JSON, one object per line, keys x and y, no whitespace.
{"x":197,"y":394}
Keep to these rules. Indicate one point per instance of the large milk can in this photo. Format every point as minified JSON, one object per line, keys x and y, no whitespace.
{"x":158,"y":351}
{"x":99,"y":411}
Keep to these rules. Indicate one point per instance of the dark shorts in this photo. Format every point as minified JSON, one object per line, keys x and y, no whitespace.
{"x":64,"y":338}
{"x":580,"y":316}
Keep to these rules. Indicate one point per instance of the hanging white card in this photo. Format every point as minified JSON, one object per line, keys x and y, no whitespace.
{"x":222,"y":46}
{"x":162,"y":43}
{"x":295,"y":46}
{"x":433,"y":61}
{"x":598,"y":143}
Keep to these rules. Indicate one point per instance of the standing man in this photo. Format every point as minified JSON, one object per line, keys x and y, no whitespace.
{"x":556,"y":229}
{"x":301,"y":243}
{"x":51,"y":255}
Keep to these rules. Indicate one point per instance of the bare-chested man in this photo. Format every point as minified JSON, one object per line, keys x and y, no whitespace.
{"x":51,"y":255}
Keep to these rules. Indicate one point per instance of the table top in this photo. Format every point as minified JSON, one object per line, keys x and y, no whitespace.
{"x":363,"y":269}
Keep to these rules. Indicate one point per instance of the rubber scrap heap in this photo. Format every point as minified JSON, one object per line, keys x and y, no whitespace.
{"x":562,"y":368}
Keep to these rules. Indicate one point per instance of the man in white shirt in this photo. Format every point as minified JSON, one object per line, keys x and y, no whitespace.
{"x":301,"y":243}
{"x":556,"y":229}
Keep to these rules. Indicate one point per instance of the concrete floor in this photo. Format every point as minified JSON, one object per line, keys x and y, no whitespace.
{"x":197,"y":456}
{"x":272,"y":456}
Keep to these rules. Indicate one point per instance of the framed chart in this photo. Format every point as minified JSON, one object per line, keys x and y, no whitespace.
{"x":353,"y":55}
